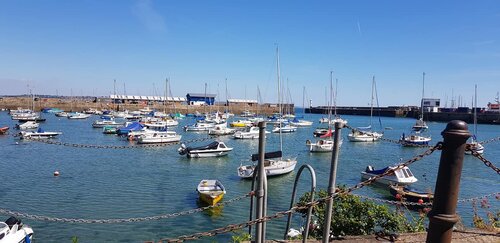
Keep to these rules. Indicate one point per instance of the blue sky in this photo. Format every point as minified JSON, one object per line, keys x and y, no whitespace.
{"x":82,"y":46}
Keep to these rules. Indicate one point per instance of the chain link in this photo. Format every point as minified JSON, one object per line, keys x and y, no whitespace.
{"x":490,"y":141}
{"x":75,"y":145}
{"x":117,"y":221}
{"x":484,"y":160}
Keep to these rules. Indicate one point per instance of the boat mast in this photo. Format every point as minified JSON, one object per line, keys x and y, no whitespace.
{"x":303,"y":100}
{"x":475,"y":109}
{"x":227,"y":101}
{"x":330,"y":102}
{"x":335,"y":100}
{"x":279,"y":92}
{"x":166,"y":96}
{"x":422,"y":101}
{"x":371,"y":103}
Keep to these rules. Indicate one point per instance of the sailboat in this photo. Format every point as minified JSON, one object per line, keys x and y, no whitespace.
{"x":336,"y":118}
{"x":365,"y":134}
{"x":302,"y":123}
{"x":474,"y":145}
{"x":274,"y":162}
{"x":325,"y":144}
{"x":416,"y":138}
{"x":420,"y":124}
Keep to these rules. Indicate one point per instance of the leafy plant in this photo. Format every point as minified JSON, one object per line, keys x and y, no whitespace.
{"x":241,"y":237}
{"x":74,"y":239}
{"x":492,"y":220}
{"x":353,"y":216}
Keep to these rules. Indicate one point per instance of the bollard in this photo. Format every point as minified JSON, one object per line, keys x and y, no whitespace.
{"x":260,"y":194}
{"x":442,"y":217}
{"x":331,"y":183}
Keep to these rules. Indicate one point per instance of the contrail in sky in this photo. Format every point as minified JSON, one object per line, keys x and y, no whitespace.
{"x":359,"y":28}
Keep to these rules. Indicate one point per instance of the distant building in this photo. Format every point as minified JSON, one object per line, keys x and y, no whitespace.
{"x":241,"y":101}
{"x":200,"y":99}
{"x":430,"y":104}
{"x":136,"y":99}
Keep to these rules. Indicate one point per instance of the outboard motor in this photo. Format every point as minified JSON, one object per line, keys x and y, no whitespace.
{"x":183,"y":149}
{"x":369,"y":168}
{"x":12,"y":221}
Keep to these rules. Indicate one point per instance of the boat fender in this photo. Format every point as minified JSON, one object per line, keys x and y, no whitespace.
{"x":398,"y":196}
{"x":420,"y":201}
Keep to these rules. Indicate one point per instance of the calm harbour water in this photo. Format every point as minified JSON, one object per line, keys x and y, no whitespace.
{"x":126,"y":183}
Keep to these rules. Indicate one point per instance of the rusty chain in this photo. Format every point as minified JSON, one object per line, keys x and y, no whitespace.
{"x":484,"y":160}
{"x":124,"y":220}
{"x":393,"y":140}
{"x":490,"y":141}
{"x":75,"y":145}
{"x":233,"y":227}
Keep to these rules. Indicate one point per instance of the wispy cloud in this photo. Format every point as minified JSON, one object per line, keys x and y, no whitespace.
{"x":149,"y":17}
{"x":483,"y":43}
{"x":359,"y":29}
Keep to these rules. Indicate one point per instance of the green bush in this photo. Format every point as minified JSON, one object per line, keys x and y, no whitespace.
{"x":353,"y":216}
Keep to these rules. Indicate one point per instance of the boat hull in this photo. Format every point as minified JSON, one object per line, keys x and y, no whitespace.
{"x":207,"y":154}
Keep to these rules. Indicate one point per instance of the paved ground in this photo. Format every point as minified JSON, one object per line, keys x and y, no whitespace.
{"x":458,"y":236}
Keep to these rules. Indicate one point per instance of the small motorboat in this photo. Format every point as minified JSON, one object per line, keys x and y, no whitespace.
{"x":110,"y":130}
{"x":28,"y":125}
{"x":211,"y":191}
{"x":214,"y":149}
{"x":284,"y":128}
{"x":274,"y":165}
{"x":322,"y":145}
{"x":364,"y":136}
{"x":14,"y":231}
{"x":199,"y":126}
{"x":410,"y":194}
{"x":39,"y":134}
{"x":249,"y":133}
{"x":3,"y":130}
{"x":61,"y":114}
{"x":130,"y":126}
{"x":301,"y":123}
{"x":402,"y":176}
{"x":106,"y":123}
{"x":241,"y":123}
{"x":78,"y":115}
{"x":221,"y":129}
{"x":414,"y":140}
{"x":320,"y":132}
{"x":159,"y":137}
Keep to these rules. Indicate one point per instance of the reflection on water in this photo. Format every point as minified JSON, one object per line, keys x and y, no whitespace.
{"x":140,"y":182}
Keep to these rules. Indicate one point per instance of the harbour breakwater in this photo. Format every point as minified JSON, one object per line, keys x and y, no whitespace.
{"x":483,"y":117}
{"x":84,"y":103}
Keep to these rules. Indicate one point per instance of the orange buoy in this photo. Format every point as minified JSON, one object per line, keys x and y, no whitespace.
{"x":420,"y":201}
{"x":398,"y":196}
{"x":56,"y":173}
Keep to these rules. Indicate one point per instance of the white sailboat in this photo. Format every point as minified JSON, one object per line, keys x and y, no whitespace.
{"x":366,"y":135}
{"x":417,"y":138}
{"x":420,"y":124}
{"x":301,"y":122}
{"x":325,"y":144}
{"x":274,"y":162}
{"x":474,"y":145}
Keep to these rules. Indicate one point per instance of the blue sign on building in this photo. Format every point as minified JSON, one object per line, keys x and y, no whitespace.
{"x":200,"y":99}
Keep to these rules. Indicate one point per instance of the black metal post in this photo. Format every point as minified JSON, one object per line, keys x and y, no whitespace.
{"x":331,"y":183}
{"x":260,"y":193}
{"x":442,"y":217}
